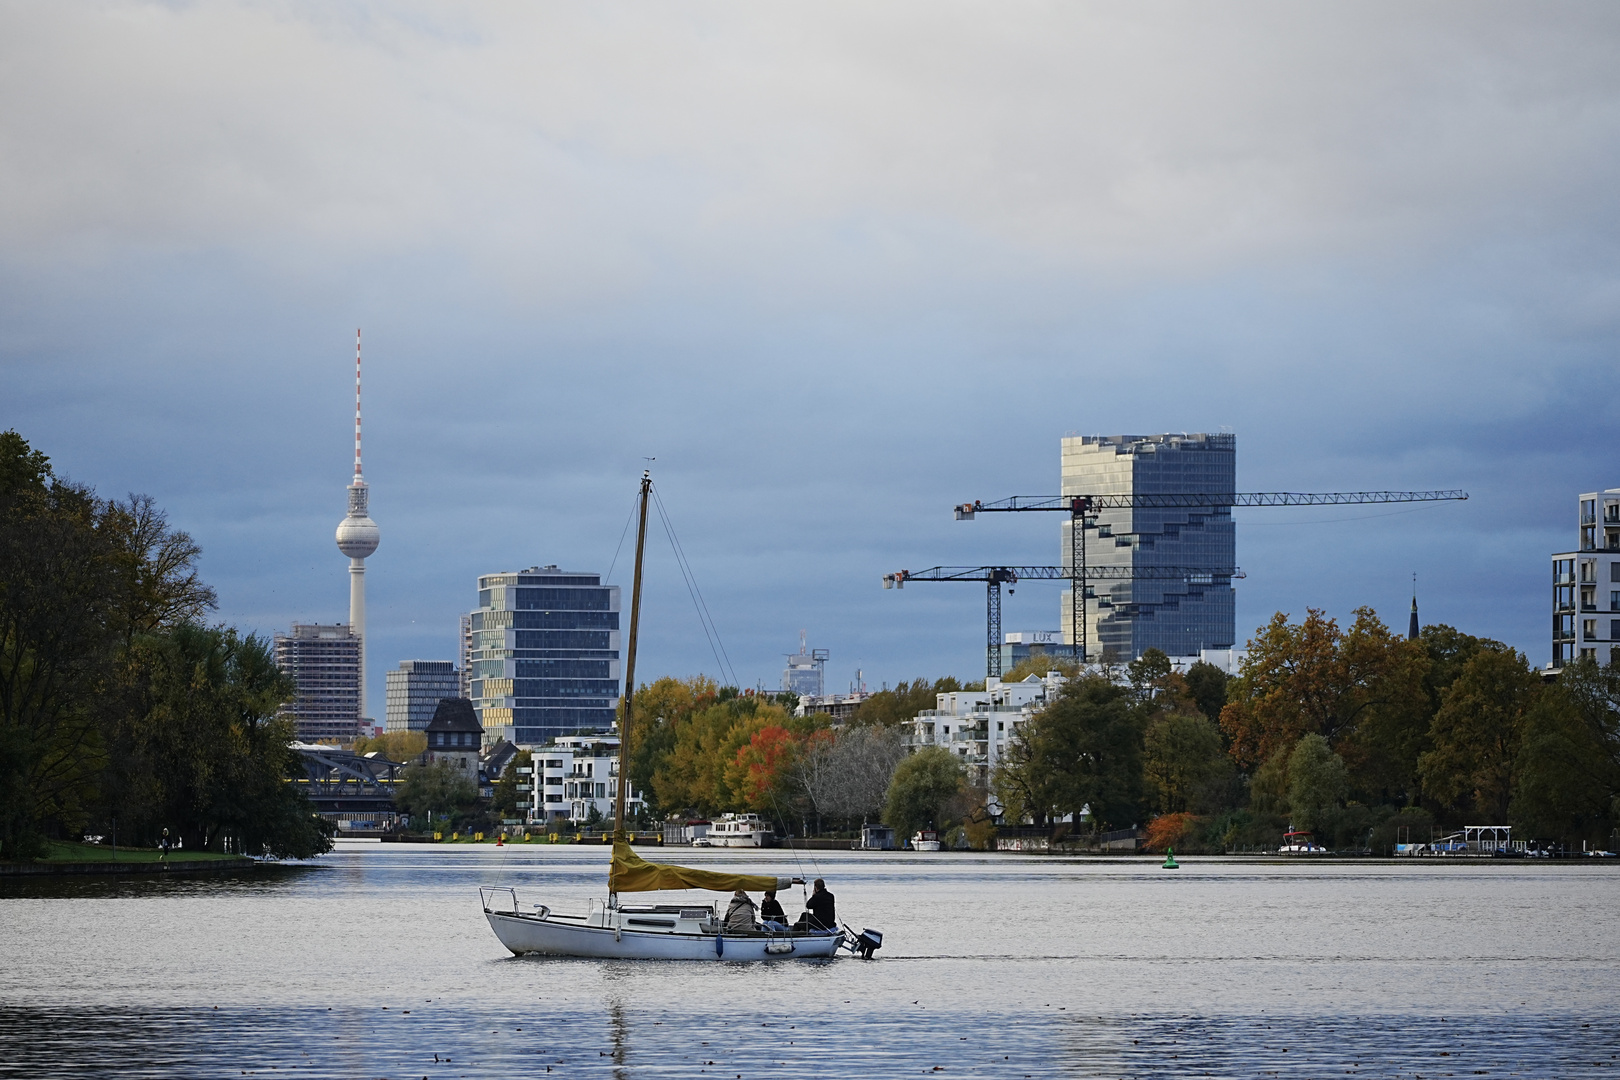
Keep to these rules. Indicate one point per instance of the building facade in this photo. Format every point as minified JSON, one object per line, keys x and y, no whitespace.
{"x":455,"y":737}
{"x":1180,"y":616}
{"x":1586,"y":585}
{"x":323,"y":662}
{"x":977,"y":725}
{"x":805,"y":674}
{"x":576,"y":775}
{"x":544,"y":659}
{"x":413,"y":692}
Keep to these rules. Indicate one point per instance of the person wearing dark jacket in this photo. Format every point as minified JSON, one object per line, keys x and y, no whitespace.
{"x":770,"y":911}
{"x":822,"y":915}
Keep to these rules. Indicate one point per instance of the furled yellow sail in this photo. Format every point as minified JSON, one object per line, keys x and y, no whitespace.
{"x":632,"y":873}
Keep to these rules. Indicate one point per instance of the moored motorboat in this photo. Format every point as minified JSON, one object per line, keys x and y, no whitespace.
{"x":739,"y":830}
{"x":926,"y":840}
{"x":1300,"y":843}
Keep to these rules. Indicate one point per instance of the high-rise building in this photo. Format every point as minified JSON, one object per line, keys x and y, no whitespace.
{"x":805,"y":674}
{"x":466,"y":657}
{"x":414,"y":691}
{"x":1180,"y":617}
{"x":1586,"y":586}
{"x":323,"y":662}
{"x":357,"y":536}
{"x":545,"y":654}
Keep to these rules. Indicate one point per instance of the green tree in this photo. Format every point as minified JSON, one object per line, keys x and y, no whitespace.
{"x":399,"y":746}
{"x":1317,"y":783}
{"x":434,"y":790}
{"x":1041,"y":663}
{"x":1477,"y":734}
{"x":1083,"y":752}
{"x":1207,"y":685}
{"x":1568,"y":776}
{"x":924,"y":785}
{"x":58,"y":585}
{"x":1181,"y":753}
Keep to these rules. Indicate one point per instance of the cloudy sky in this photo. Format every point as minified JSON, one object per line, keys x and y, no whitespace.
{"x":837,"y":266}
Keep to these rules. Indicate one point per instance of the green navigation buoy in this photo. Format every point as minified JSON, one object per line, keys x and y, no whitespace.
{"x":1170,"y":860}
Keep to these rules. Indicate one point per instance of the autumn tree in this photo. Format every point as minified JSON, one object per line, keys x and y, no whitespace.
{"x":1181,"y":753}
{"x":903,"y":703}
{"x":1361,"y":690}
{"x":1478,"y":732}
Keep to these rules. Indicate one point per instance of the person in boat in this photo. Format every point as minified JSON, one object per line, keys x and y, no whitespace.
{"x":740,"y":912}
{"x":771,"y":913}
{"x":820,"y":913}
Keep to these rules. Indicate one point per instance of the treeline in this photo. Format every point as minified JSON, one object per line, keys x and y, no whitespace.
{"x":700,"y":748}
{"x":1360,"y":736}
{"x":119,"y":709}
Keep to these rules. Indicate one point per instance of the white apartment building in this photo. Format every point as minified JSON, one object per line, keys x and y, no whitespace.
{"x":1586,"y":586}
{"x":572,"y":775}
{"x":977,"y":724}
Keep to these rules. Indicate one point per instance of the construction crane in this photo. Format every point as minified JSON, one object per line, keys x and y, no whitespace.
{"x":1078,"y":506}
{"x":995,"y":577}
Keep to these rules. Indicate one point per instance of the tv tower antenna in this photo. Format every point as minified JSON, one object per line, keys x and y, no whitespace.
{"x":357,"y":537}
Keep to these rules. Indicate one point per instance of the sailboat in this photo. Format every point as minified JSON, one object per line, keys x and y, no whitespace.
{"x":686,"y":931}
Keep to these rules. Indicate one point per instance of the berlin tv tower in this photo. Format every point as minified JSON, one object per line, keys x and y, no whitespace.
{"x":357,"y":537}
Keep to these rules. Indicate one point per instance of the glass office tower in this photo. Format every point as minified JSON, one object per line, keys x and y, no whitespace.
{"x":1179,"y":617}
{"x":544,"y":659}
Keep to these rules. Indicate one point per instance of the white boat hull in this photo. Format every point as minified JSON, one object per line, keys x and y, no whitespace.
{"x":553,"y":935}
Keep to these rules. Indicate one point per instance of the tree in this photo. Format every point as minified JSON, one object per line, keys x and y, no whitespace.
{"x":1317,"y":783}
{"x":847,"y":775}
{"x":1478,"y":732}
{"x":399,"y":746}
{"x":1042,"y":663}
{"x":437,"y":789}
{"x":923,"y":785}
{"x":1361,"y":690}
{"x":1567,"y":781}
{"x":1180,"y":753}
{"x":1082,"y":752}
{"x":58,"y":585}
{"x":1207,"y":685}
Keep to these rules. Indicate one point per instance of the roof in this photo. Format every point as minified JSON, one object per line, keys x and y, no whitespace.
{"x":455,"y":714}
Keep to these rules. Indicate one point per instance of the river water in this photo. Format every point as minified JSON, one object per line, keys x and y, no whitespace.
{"x":378,"y":963}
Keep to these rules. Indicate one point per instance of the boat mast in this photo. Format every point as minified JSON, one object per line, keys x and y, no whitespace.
{"x":630,"y":665}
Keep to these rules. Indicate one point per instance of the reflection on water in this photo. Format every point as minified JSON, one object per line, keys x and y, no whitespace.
{"x":381,"y":965}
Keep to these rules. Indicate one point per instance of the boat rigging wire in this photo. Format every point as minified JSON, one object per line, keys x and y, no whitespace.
{"x":628,"y":518}
{"x":705,"y":620}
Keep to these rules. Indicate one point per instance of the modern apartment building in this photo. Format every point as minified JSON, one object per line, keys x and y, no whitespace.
{"x":575,"y":775}
{"x":976,"y":725}
{"x":414,"y":689}
{"x":544,"y":659}
{"x":323,"y":662}
{"x":1586,"y":586}
{"x":1182,"y":616}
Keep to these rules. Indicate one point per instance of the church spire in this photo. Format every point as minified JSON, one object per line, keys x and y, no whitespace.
{"x":1412,"y":626}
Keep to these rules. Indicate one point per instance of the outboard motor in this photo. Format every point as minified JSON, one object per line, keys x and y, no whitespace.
{"x":868,"y":942}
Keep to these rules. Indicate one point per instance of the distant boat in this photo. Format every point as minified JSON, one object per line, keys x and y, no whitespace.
{"x":927,"y":840}
{"x":687,"y":931}
{"x":1300,"y":843}
{"x":739,"y":830}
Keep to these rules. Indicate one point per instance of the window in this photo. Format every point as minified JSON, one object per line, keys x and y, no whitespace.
{"x":1564,"y":598}
{"x":1588,"y":654}
{"x":1564,"y":571}
{"x":1588,"y":570}
{"x":1614,"y":629}
{"x":1614,"y":571}
{"x":1614,"y":599}
{"x":1564,"y":627}
{"x":1589,"y":629}
{"x":1588,"y":511}
{"x":1588,"y":598}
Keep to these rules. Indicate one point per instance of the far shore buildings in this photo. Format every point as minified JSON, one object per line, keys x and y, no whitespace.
{"x":543,"y":659}
{"x":323,"y":661}
{"x":454,"y":737}
{"x":574,"y":776}
{"x":1586,"y":585}
{"x":805,"y":674}
{"x":414,"y":689}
